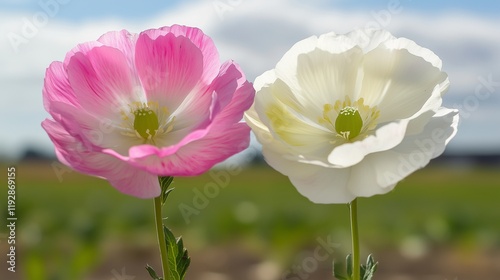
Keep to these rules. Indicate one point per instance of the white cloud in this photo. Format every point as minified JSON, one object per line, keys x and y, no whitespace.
{"x":255,"y":34}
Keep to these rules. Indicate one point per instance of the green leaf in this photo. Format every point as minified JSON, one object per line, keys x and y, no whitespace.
{"x":348,"y":261}
{"x":164,"y":184}
{"x":340,"y":275}
{"x":368,"y":270}
{"x":178,"y":259}
{"x":152,"y":272}
{"x":183,"y":259}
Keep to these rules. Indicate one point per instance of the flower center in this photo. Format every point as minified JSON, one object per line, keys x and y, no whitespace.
{"x":348,"y":119}
{"x":349,"y":123}
{"x":146,"y":123}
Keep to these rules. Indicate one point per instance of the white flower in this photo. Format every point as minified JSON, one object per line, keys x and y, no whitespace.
{"x":346,"y":116}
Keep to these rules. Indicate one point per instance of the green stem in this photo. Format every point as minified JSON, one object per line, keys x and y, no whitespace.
{"x":161,"y":236}
{"x":353,"y":209}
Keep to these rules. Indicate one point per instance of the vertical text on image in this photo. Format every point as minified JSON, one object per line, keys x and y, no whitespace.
{"x":11,"y":218}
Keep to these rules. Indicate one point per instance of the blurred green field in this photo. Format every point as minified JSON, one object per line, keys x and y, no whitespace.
{"x":439,"y":222}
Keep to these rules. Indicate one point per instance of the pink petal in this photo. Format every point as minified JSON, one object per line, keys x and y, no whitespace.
{"x":141,"y":151}
{"x":211,"y":62}
{"x":235,"y":94}
{"x":123,"y":41}
{"x":193,"y":114}
{"x":198,"y":156}
{"x":61,"y":140}
{"x":56,"y":87}
{"x":80,"y":48}
{"x":94,"y":132}
{"x":232,"y":95}
{"x":135,"y":182}
{"x":124,"y":177}
{"x":169,"y":68}
{"x":71,"y":150}
{"x":102,"y":80}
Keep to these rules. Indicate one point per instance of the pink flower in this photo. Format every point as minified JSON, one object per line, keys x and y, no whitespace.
{"x":132,"y":107}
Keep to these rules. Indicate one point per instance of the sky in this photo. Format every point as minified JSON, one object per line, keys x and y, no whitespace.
{"x":254,"y":33}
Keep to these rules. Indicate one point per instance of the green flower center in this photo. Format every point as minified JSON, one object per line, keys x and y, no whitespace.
{"x":349,"y":123}
{"x":146,"y":123}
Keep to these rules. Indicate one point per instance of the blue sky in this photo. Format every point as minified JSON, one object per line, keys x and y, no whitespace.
{"x":255,"y":33}
{"x":77,"y":10}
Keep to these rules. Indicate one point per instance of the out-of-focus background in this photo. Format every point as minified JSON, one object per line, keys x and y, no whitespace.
{"x":440,"y":223}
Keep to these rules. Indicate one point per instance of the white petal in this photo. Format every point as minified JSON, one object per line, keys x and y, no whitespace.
{"x":318,"y":184}
{"x":369,"y":39}
{"x":378,"y":173}
{"x":433,"y":139}
{"x":385,"y":138}
{"x":323,"y":78}
{"x":365,"y":176}
{"x":315,"y":156}
{"x":392,"y":84}
{"x":366,"y":39}
{"x":413,"y":48}
{"x":264,"y":79}
{"x":286,"y":67}
{"x":290,"y":125}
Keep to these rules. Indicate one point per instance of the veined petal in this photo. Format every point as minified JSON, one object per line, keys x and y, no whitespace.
{"x":324,"y":77}
{"x":102,"y":81}
{"x":63,"y":143}
{"x":413,"y":48}
{"x":390,"y":83}
{"x":231,"y":95}
{"x":289,"y":126}
{"x":206,"y":45}
{"x":133,"y":181}
{"x":56,"y":87}
{"x":287,"y":66}
{"x":318,"y":184}
{"x":235,"y":95}
{"x":145,"y":150}
{"x":169,"y":67}
{"x":367,"y":39}
{"x":273,"y":89}
{"x":260,"y":130}
{"x":432,"y":140}
{"x":196,"y":157}
{"x":364,"y":39}
{"x":382,"y":171}
{"x":96,"y":133}
{"x":123,"y":41}
{"x":194,"y":113}
{"x":385,"y":138}
{"x":271,"y":143}
{"x":81,"y":48}
{"x":367,"y":177}
{"x":124,"y":177}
